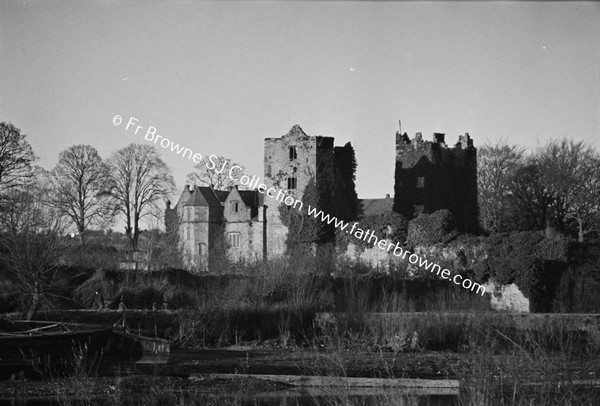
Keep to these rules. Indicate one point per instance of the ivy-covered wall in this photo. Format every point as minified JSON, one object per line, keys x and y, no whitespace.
{"x":346,"y":203}
{"x":553,"y":274}
{"x":325,"y":177}
{"x":431,"y":176}
{"x":279,"y":165}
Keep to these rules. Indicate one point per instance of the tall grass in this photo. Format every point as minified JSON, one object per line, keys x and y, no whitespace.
{"x":551,"y":367}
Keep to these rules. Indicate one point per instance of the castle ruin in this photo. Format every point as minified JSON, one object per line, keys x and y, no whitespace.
{"x":431,"y":176}
{"x":247,"y":225}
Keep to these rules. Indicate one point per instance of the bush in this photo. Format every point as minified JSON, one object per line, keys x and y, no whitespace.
{"x":149,"y":298}
{"x":93,"y":256}
{"x":429,"y":229}
{"x":527,"y":259}
{"x":180,"y":299}
{"x":388,"y":225}
{"x":579,"y":287}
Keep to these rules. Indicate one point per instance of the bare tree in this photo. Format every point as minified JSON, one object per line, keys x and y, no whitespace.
{"x":16,"y":158}
{"x":567,"y":172}
{"x":496,"y":166}
{"x":141,"y":181}
{"x":559,"y":186}
{"x":585,"y":204}
{"x":31,"y":247}
{"x":81,"y":188}
{"x":530,"y":196}
{"x":215,"y":172}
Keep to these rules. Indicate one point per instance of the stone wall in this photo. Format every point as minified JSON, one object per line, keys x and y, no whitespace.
{"x":310,"y":163}
{"x":251,"y":247}
{"x":507,"y":297}
{"x":431,"y":176}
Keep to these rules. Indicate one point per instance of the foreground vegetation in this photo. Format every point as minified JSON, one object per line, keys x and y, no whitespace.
{"x":305,"y":323}
{"x":499,"y":359}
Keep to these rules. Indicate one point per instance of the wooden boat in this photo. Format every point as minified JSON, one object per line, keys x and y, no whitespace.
{"x":52,"y":348}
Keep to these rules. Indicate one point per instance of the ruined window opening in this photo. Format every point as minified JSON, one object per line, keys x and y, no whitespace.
{"x":420,"y":182}
{"x":188,"y":233}
{"x":291,"y":183}
{"x":234,"y":207}
{"x":293,"y":153}
{"x":234,"y":240}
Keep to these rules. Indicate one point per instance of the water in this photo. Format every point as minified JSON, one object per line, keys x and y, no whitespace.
{"x":298,"y":397}
{"x":358,"y":397}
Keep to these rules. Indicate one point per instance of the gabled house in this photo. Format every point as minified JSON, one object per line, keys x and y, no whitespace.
{"x":212,"y":224}
{"x":245,"y":225}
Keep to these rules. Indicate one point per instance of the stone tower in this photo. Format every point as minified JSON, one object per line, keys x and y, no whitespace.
{"x":431,"y":176}
{"x":292,"y":163}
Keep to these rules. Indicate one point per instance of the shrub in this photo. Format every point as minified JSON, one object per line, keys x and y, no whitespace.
{"x":180,"y":299}
{"x":93,"y":256}
{"x":527,"y":259}
{"x":429,"y":229}
{"x":149,"y":297}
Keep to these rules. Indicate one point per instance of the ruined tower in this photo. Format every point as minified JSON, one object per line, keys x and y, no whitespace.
{"x":431,"y":176}
{"x":295,"y":163}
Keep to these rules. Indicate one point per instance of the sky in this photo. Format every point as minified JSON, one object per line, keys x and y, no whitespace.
{"x":220,"y":77}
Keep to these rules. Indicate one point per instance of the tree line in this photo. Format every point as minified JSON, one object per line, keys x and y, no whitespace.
{"x":555,"y":187}
{"x":82,"y":189}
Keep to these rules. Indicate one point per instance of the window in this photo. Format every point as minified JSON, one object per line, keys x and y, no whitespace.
{"x":293,"y":153}
{"x":420,"y":182}
{"x":291,"y":183}
{"x":234,"y":240}
{"x":234,"y":207}
{"x":188,"y":231}
{"x":188,"y":214}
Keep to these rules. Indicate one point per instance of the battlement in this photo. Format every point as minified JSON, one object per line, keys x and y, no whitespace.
{"x":430,"y":176}
{"x":404,"y":142}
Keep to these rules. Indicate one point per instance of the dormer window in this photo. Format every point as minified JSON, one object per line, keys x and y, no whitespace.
{"x":234,"y":207}
{"x":293,"y":153}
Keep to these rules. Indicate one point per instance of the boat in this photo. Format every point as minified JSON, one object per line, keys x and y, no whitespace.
{"x":37,"y":348}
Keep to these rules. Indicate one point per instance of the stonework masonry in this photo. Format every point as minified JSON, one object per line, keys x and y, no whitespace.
{"x":431,"y":176}
{"x":245,"y":225}
{"x":291,"y":161}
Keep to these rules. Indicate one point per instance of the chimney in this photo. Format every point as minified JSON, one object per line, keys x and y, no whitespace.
{"x":440,"y":138}
{"x":387,"y":195}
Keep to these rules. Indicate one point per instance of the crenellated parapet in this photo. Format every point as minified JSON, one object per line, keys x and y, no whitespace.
{"x":432,"y":175}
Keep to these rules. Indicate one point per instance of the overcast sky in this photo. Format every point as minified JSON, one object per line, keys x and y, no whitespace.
{"x":220,"y":77}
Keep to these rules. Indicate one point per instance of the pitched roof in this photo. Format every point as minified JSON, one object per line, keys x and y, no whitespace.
{"x":208,"y":197}
{"x":251,"y":197}
{"x":221,"y":194}
{"x":202,"y":196}
{"x":372,"y":207}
